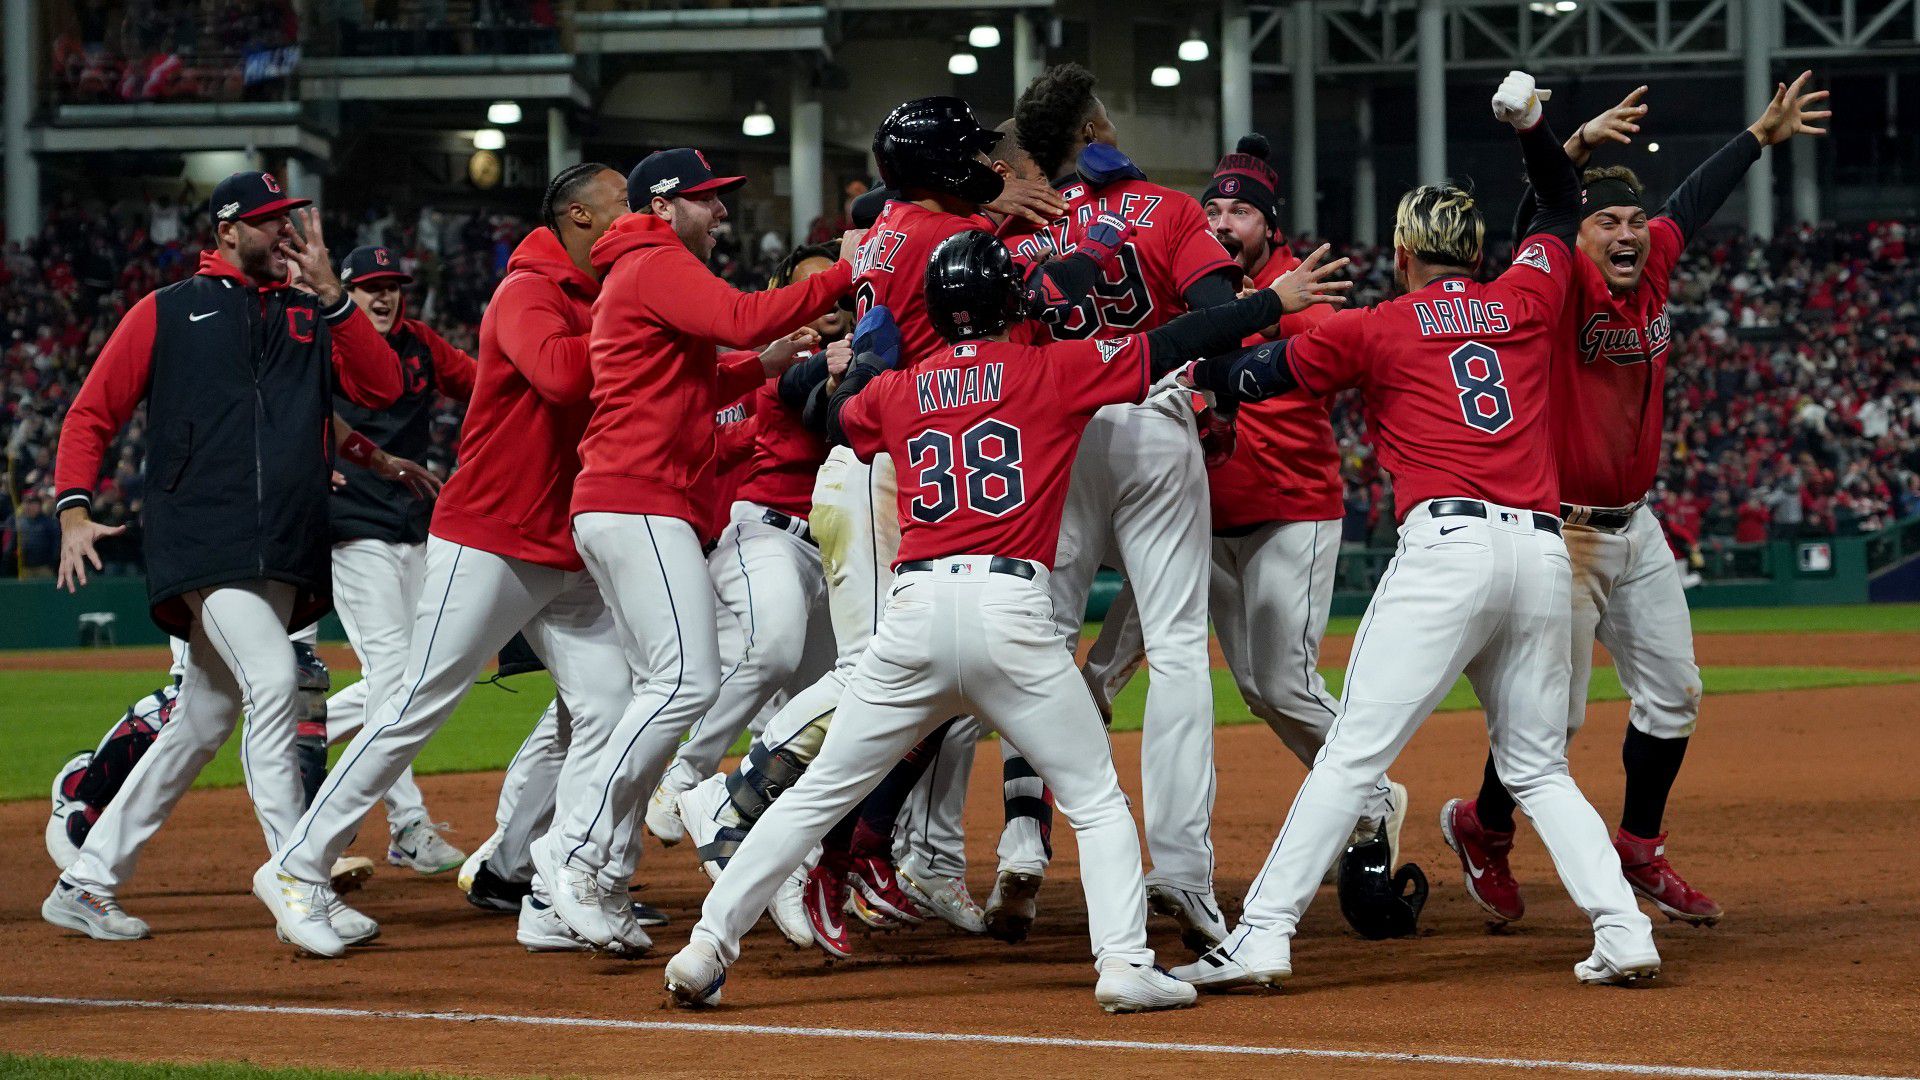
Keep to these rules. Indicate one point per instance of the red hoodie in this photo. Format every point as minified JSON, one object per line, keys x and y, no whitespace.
{"x":657,"y":377}
{"x":519,"y":443}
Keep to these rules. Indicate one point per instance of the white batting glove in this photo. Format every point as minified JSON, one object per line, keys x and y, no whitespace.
{"x":1518,"y":101}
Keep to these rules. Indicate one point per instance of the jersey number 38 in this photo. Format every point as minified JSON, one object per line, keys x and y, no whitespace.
{"x":982,"y":471}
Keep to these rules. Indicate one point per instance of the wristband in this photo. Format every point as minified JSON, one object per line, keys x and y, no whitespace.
{"x":358,"y":449}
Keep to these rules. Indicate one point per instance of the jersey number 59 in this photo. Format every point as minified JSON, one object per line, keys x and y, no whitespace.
{"x":988,"y":468}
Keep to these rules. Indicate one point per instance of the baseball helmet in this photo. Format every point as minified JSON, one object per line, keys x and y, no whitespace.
{"x":1377,"y":901}
{"x":933,"y":143}
{"x":972,"y":287}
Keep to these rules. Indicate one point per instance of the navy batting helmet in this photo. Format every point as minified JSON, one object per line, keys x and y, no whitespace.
{"x":972,"y":287}
{"x":1378,"y":902}
{"x":934,"y":144}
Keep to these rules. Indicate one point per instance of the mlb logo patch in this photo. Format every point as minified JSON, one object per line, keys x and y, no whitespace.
{"x":1508,"y":517}
{"x":962,"y":351}
{"x":959,"y":569}
{"x":1453,"y":285}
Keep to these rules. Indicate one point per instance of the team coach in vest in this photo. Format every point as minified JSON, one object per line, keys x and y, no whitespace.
{"x":238,"y":371}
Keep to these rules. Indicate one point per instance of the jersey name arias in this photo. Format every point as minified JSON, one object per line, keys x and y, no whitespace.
{"x":891,"y":270}
{"x":983,"y":436}
{"x":1145,"y":285}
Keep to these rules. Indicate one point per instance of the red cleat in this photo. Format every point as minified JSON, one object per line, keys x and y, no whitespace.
{"x":1644,"y":862}
{"x":880,"y":891}
{"x":1483,"y":860}
{"x":825,"y":898}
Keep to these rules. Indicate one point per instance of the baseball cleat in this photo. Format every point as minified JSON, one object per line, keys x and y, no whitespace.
{"x":1198,"y":913}
{"x":300,"y":911}
{"x":941,"y":895}
{"x":96,"y":915}
{"x":663,"y":815}
{"x":478,"y":859}
{"x":349,"y":871}
{"x":695,"y":975}
{"x":789,"y":909}
{"x":489,"y":891}
{"x":540,"y":930}
{"x":825,"y":899}
{"x":877,"y":887}
{"x":629,"y":940}
{"x":1011,"y":907}
{"x":1245,"y":958}
{"x":418,"y":847}
{"x":1644,"y":862}
{"x":648,"y":915}
{"x":575,"y":893}
{"x":1483,"y":861}
{"x":1129,"y":988}
{"x":699,"y":808}
{"x":871,"y":916}
{"x":352,"y":927}
{"x":1599,"y":969}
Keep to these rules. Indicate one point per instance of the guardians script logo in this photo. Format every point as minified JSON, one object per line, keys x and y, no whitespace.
{"x":1623,"y":343}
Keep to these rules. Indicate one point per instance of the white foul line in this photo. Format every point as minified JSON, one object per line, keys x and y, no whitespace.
{"x":1063,"y":1043}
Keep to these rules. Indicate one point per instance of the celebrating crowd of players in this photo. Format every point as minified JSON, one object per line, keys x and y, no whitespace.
{"x":859,"y":514}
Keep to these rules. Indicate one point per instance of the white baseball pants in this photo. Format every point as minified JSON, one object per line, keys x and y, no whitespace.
{"x":956,"y":639}
{"x":1486,"y":596}
{"x":237,"y":660}
{"x":1139,"y":489}
{"x":525,"y":809}
{"x":471,"y":604}
{"x":1627,"y":594}
{"x":655,"y":578}
{"x":376,"y":589}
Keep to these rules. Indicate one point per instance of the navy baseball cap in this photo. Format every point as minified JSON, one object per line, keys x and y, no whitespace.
{"x":372,"y":263}
{"x":248,"y":195}
{"x":676,"y":174}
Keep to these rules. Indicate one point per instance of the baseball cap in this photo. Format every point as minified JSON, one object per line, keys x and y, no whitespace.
{"x":372,"y":263}
{"x":248,"y":195}
{"x":676,"y":174}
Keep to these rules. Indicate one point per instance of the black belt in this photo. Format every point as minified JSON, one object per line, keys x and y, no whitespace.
{"x":789,"y":524}
{"x":1019,"y":568}
{"x":1610,"y":518}
{"x":1476,"y":508}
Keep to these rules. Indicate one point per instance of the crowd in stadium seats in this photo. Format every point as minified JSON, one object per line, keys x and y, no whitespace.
{"x":172,"y":50}
{"x":1793,"y":402}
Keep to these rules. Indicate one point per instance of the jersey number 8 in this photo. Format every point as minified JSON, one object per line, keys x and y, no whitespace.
{"x":989,"y":460}
{"x":1483,"y":390}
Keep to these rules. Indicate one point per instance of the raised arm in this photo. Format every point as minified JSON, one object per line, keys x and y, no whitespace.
{"x":1519,"y":102}
{"x":1708,"y":187}
{"x":1214,"y":330}
{"x":700,"y":304}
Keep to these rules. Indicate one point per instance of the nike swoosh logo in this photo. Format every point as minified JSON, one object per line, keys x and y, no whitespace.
{"x":1455,"y":529}
{"x":197,"y":318}
{"x":404,"y":852}
{"x":827,"y":915}
{"x":1472,"y":869}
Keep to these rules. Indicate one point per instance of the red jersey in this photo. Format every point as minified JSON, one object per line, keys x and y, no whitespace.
{"x":983,"y":436}
{"x":1609,"y":408}
{"x":1456,"y":378}
{"x":719,"y":484}
{"x":786,"y":456}
{"x":1285,"y":464}
{"x":891,"y":269}
{"x":1145,"y":284}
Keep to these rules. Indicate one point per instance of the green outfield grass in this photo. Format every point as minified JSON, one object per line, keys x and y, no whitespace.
{"x":61,"y":712}
{"x":13,"y":1067}
{"x":1809,"y":619}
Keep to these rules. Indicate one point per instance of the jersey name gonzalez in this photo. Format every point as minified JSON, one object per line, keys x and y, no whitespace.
{"x":1135,"y":206}
{"x":1602,"y":335}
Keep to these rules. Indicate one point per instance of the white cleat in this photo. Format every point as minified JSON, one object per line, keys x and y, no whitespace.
{"x":699,"y":809}
{"x":540,"y":930}
{"x":663,"y":813}
{"x":695,"y":975}
{"x":789,"y":908}
{"x":1198,"y":913}
{"x":1130,"y":988}
{"x":420,"y":848}
{"x":1364,"y":829}
{"x":1600,"y":969}
{"x":96,"y":915}
{"x":1243,"y":959}
{"x":945,"y":896}
{"x":348,"y":872}
{"x":352,"y":927}
{"x":575,"y":893}
{"x":300,"y":910}
{"x":629,"y":939}
{"x":480,"y":855}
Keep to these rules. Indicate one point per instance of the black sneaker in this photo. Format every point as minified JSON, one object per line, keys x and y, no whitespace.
{"x":491,"y":892}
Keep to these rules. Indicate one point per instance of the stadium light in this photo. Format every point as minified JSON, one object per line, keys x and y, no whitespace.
{"x":1565,"y":6}
{"x":963,"y":63}
{"x":489,"y":139}
{"x":758,"y":123}
{"x":984,"y":36}
{"x":1165,"y":76}
{"x":502,"y":113}
{"x":1194,"y":49}
{"x":1653,"y":148}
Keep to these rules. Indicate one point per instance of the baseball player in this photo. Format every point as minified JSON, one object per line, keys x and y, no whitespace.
{"x":983,"y":430}
{"x":932,"y":152}
{"x":1456,"y":379}
{"x":237,"y":371}
{"x":1627,"y":592}
{"x":499,"y":561}
{"x":1139,"y":488}
{"x":380,"y":531}
{"x":657,"y":381}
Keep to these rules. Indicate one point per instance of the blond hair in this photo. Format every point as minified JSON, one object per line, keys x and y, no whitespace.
{"x":1440,"y":224}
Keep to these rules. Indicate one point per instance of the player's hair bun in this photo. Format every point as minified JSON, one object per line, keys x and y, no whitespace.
{"x":1255,"y":145}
